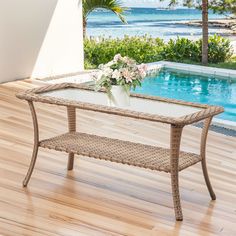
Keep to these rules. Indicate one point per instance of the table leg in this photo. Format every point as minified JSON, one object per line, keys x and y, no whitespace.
{"x":71,"y":113}
{"x":203,"y":155}
{"x":175,"y":139}
{"x":36,"y":144}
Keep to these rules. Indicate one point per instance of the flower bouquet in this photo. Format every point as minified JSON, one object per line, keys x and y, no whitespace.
{"x":118,"y":77}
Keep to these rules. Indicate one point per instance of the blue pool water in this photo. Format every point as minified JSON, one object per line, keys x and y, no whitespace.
{"x":193,"y":88}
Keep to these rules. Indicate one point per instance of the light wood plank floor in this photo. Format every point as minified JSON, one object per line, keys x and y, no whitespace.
{"x":103,"y":198}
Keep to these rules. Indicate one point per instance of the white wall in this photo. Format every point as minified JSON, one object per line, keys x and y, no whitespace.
{"x":40,"y":38}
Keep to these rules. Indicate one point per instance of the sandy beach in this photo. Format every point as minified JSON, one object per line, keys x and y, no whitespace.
{"x":228,"y":24}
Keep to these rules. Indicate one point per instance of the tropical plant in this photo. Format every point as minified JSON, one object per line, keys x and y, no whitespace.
{"x":142,"y":49}
{"x":223,"y":7}
{"x":219,"y":49}
{"x":181,"y":49}
{"x":111,"y":5}
{"x":203,"y":5}
{"x":218,"y":6}
{"x":146,"y":49}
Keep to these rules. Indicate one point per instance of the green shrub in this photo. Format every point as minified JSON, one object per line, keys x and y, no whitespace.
{"x":181,"y":49}
{"x":88,"y":65}
{"x":219,"y":49}
{"x":145,"y":49}
{"x":142,"y":49}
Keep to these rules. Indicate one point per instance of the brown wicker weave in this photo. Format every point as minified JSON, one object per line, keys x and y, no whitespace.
{"x":135,"y":154}
{"x":168,"y":160}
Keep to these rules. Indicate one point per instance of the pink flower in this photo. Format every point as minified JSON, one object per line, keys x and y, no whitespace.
{"x":107,"y":72}
{"x":126,"y":73}
{"x":142,"y":70}
{"x":142,"y":67}
{"x":117,"y":57}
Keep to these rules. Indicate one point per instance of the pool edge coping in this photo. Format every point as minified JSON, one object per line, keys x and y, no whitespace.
{"x":196,"y":69}
{"x":154,"y":66}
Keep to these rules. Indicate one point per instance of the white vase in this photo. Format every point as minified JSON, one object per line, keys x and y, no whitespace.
{"x":119,"y":97}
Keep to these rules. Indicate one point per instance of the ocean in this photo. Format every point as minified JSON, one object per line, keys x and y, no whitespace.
{"x":161,"y":23}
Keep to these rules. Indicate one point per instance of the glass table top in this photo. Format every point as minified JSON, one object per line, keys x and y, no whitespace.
{"x":148,"y":106}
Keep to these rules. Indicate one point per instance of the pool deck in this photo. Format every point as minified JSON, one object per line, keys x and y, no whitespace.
{"x":103,"y":198}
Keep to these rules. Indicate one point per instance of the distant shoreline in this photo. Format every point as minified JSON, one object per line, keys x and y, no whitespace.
{"x":165,"y":24}
{"x":228,"y":24}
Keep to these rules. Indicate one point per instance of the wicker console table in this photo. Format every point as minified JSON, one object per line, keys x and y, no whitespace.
{"x":175,"y":113}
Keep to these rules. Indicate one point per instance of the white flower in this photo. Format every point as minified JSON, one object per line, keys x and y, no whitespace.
{"x":126,"y":59}
{"x":99,"y":75}
{"x":101,"y":66}
{"x":107,"y":72}
{"x":122,"y":69}
{"x":130,"y":62}
{"x":110,"y":63}
{"x":117,"y":57}
{"x":116,"y":74}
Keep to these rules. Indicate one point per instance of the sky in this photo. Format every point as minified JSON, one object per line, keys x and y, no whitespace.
{"x":145,"y":3}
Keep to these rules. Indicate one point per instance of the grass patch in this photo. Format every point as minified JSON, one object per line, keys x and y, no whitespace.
{"x":229,"y":64}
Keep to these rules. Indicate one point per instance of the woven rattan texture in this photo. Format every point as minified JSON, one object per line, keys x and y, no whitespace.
{"x":35,"y":95}
{"x":114,"y":150}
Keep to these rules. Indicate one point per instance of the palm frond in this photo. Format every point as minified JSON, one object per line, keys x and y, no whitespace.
{"x":115,"y":6}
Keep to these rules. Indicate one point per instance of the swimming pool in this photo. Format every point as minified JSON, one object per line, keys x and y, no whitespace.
{"x":193,"y":88}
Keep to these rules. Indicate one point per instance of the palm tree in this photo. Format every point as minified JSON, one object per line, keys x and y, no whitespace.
{"x":204,"y":32}
{"x":112,"y":5}
{"x":204,"y":7}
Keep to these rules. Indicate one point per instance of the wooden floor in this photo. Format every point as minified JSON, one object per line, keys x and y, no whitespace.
{"x":103,"y":198}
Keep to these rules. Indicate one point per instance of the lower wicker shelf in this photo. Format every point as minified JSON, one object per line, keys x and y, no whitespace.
{"x":125,"y":152}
